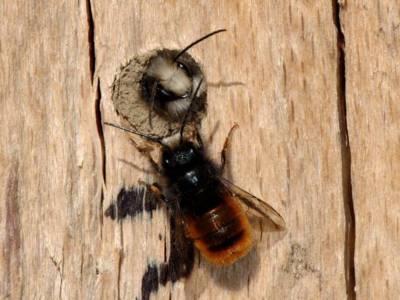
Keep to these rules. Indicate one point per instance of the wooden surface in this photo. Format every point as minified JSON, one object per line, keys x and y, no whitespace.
{"x":318,"y":139}
{"x":372,"y":33}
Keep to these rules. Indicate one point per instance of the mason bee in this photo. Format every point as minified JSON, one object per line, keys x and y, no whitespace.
{"x":168,"y":81}
{"x":214,"y":211}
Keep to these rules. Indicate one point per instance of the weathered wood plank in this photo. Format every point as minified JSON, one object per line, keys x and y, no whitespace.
{"x":50,"y":156}
{"x":371,"y":31}
{"x":274,"y":73}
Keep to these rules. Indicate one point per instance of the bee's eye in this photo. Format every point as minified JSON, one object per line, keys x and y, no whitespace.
{"x":184,"y":68}
{"x":169,"y":163}
{"x":163,"y":92}
{"x":163,"y":95}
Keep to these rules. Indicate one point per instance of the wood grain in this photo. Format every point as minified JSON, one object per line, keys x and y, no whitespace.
{"x":50,"y":208}
{"x":372,"y":33}
{"x":277,"y":72}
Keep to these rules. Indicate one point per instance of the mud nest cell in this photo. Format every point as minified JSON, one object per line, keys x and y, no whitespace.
{"x":152,"y":92}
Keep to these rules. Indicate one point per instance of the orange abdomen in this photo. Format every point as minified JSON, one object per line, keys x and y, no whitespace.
{"x":223,"y":234}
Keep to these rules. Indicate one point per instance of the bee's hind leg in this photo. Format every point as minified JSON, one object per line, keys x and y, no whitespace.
{"x":225,"y":149}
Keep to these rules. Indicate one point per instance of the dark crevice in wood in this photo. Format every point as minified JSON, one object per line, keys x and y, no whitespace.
{"x":165,"y":246}
{"x":81,"y":267}
{"x":225,"y":84}
{"x":120,"y":261}
{"x":11,"y":253}
{"x":101,"y":212}
{"x":248,"y":285}
{"x":61,"y":275}
{"x":349,"y":249}
{"x":100,"y":131}
{"x":92,"y":49}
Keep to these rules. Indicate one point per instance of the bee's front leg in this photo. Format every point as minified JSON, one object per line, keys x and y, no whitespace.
{"x":225,"y":149}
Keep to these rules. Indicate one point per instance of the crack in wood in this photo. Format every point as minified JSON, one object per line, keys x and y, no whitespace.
{"x":225,"y":84}
{"x":100,"y":131}
{"x":98,"y":98}
{"x":13,"y":237}
{"x":60,"y":270}
{"x":101,"y":212}
{"x":81,"y":267}
{"x":92,"y":49}
{"x":120,"y":260}
{"x":349,"y":249}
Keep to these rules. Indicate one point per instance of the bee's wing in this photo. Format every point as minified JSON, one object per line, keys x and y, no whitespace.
{"x":254,"y":205}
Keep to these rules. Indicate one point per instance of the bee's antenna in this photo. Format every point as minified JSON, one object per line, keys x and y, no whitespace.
{"x":189,"y":110}
{"x":196,"y":42}
{"x":145,"y":136}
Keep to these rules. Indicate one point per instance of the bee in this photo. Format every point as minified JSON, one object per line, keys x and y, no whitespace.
{"x":214,"y":211}
{"x":169,"y":79}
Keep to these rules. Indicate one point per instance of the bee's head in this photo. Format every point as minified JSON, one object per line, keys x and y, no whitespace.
{"x":170,"y":78}
{"x":166,"y":79}
{"x":168,"y":84}
{"x":181,"y":158}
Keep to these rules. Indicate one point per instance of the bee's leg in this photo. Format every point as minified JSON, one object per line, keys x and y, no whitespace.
{"x":226,"y":146}
{"x":156,"y":191}
{"x":145,"y":150}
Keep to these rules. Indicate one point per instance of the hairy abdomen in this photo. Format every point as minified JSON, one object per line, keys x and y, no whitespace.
{"x":223,"y":234}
